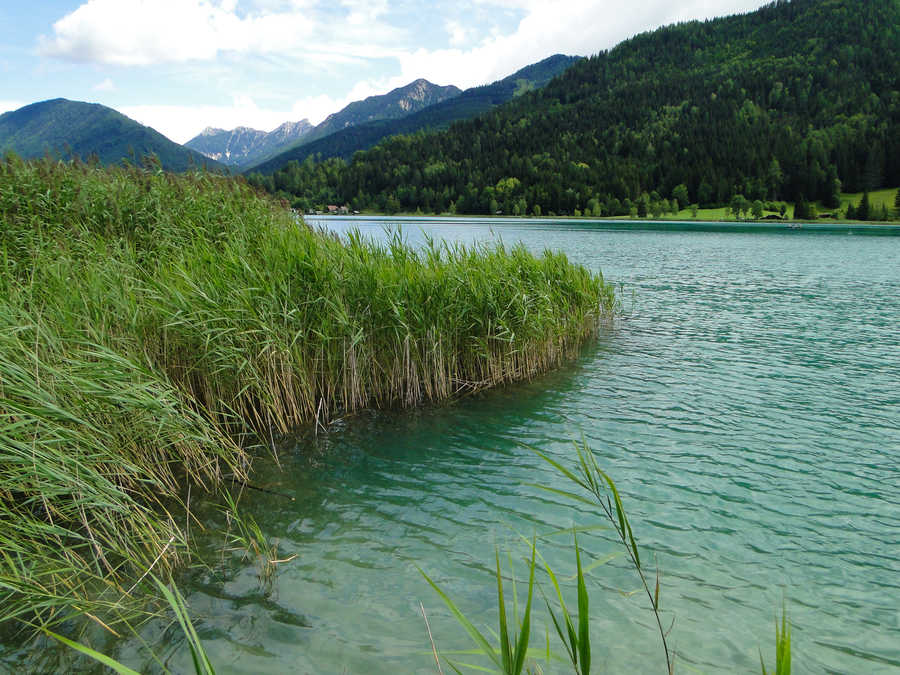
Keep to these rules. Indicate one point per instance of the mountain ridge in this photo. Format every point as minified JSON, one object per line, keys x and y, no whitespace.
{"x":397,"y":103}
{"x":71,"y":129}
{"x":244,"y":145}
{"x":469,"y":103}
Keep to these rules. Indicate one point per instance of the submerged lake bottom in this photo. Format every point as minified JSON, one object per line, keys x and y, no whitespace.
{"x":747,"y":404}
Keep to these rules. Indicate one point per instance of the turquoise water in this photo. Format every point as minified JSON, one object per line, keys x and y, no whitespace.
{"x":748,"y":406}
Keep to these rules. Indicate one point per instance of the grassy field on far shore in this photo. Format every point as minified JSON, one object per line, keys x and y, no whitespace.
{"x":878,"y":200}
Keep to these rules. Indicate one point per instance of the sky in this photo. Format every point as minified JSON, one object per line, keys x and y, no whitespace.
{"x":180,"y":66}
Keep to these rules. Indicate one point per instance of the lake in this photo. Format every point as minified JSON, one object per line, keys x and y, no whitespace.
{"x":747,"y":404}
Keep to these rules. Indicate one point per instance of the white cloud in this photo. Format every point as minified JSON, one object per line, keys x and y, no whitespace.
{"x":329,"y":33}
{"x":583,"y":28}
{"x":364,"y":12}
{"x":144,"y":32}
{"x":105,"y":85}
{"x":149,"y":32}
{"x":458,"y":33}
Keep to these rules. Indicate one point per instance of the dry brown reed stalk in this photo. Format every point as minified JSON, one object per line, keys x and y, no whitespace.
{"x":437,"y":661}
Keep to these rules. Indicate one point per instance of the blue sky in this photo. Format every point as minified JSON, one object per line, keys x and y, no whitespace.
{"x":182,"y":65}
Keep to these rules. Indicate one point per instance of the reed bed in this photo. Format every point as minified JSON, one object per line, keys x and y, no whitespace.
{"x":148,"y":321}
{"x":296,"y":326}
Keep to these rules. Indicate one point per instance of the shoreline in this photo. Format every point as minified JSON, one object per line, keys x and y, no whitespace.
{"x":612,"y":224}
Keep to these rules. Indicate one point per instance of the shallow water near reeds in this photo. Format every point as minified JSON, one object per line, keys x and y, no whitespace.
{"x":748,"y":406}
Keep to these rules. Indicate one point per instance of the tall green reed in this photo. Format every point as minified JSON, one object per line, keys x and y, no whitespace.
{"x":574,"y":630}
{"x":153,"y":326}
{"x":782,"y":648}
{"x":509,"y":656}
{"x":602,"y":492}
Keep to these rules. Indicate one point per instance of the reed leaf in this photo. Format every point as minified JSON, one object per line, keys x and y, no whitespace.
{"x":782,"y":648}
{"x":473,"y":632}
{"x":110,"y":663}
{"x":584,"y":634}
{"x":513,"y":649}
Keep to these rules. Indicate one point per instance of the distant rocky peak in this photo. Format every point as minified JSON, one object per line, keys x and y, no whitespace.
{"x":419,"y":88}
{"x":243,"y":145}
{"x":293,"y":127}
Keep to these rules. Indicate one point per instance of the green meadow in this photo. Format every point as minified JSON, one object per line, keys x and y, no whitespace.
{"x":881,"y":201}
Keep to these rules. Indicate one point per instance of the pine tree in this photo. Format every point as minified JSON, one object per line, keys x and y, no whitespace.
{"x":864,"y":210}
{"x":643,"y":206}
{"x":833,"y":198}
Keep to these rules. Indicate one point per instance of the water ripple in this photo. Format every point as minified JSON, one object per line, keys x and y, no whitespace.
{"x":748,"y":408}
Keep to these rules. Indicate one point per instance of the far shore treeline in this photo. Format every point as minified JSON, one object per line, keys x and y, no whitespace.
{"x":797,"y":102}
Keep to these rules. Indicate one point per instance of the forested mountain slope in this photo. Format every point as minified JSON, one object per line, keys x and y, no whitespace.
{"x":468,"y":104}
{"x":70,"y":129}
{"x":792,"y":101}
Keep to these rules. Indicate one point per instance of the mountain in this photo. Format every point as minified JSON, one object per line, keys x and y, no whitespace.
{"x":398,"y":103}
{"x":243,"y":146}
{"x":472,"y":102}
{"x":796,"y":101}
{"x":75,"y":129}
